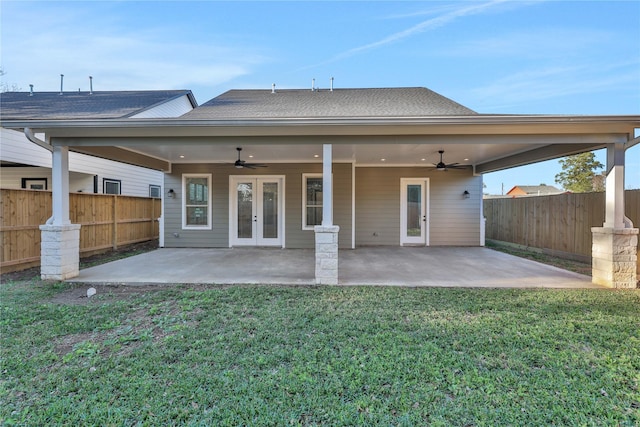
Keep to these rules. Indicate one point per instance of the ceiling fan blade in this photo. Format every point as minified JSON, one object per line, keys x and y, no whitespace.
{"x":243,"y":164}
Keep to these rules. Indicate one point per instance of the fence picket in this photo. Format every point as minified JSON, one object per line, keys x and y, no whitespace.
{"x":560,"y":223}
{"x":23,"y":211}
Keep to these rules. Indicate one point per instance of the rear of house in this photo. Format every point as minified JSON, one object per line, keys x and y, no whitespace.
{"x":279,"y":203}
{"x":335,"y":169}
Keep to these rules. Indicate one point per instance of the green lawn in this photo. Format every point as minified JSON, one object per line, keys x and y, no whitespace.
{"x":253,"y":356}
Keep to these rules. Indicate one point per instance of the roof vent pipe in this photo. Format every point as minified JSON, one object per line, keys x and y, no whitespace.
{"x":331,"y":84}
{"x":313,"y":85}
{"x":61,"y":81}
{"x":30,"y":90}
{"x":90,"y":85}
{"x":273,"y":88}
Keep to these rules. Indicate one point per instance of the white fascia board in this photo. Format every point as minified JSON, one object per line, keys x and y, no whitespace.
{"x":437,"y":125}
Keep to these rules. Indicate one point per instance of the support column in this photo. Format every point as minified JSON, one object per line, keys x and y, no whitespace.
{"x":615,"y":245}
{"x":60,"y":240}
{"x":327,"y":234}
{"x":327,"y":254}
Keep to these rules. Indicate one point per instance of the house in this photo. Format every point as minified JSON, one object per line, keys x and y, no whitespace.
{"x":339,"y":168}
{"x":369,"y":179}
{"x":533,"y":190}
{"x":28,"y":165}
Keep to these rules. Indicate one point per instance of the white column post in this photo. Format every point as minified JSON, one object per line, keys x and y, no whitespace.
{"x":60,"y":186}
{"x":327,"y":233}
{"x":614,"y":213}
{"x":60,"y":240}
{"x":615,"y":244}
{"x":327,"y":185}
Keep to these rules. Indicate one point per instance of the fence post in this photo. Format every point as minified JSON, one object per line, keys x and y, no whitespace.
{"x":153,"y":216}
{"x":114,"y":215}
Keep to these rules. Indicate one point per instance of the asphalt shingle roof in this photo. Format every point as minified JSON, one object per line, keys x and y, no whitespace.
{"x":299,"y":103}
{"x":81,"y":105}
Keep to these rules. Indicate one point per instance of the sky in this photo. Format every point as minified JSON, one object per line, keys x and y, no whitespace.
{"x":493,"y":56}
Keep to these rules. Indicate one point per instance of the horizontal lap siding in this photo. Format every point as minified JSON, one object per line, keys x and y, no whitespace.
{"x":295,"y":237}
{"x":218,"y":236}
{"x":342,"y":202}
{"x":18,"y":149}
{"x":378,"y":206}
{"x":453,"y":220}
{"x":135,"y":180}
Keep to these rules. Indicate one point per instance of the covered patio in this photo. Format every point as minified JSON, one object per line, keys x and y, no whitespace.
{"x":380,"y":266}
{"x":369,"y":139}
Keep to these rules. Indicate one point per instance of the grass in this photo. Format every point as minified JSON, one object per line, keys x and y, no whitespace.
{"x":270,"y":355}
{"x":537,"y":255}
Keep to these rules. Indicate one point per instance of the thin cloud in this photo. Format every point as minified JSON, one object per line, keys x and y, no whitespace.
{"x":546,"y":43}
{"x":556,"y":82}
{"x":119,"y":58}
{"x":430,"y":24}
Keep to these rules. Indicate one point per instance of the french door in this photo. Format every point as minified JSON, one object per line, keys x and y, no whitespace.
{"x":414,"y":211}
{"x":255,"y":210}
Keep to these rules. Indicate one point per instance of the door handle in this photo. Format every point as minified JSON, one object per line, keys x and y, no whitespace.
{"x":255,"y":218}
{"x":424,"y":218}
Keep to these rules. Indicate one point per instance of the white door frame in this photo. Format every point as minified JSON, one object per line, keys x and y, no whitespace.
{"x":423,"y":238}
{"x":256,"y":240}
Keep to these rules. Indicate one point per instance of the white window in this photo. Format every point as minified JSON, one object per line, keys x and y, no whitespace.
{"x":111,"y":186}
{"x":311,"y":200}
{"x":196,"y":201}
{"x":154,"y":191}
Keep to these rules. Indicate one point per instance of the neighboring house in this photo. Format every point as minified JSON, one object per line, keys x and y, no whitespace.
{"x":533,"y":190}
{"x":343,"y":168}
{"x":28,"y":165}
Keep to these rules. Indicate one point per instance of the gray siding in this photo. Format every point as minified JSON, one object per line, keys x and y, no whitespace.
{"x":453,"y":220}
{"x":218,"y":236}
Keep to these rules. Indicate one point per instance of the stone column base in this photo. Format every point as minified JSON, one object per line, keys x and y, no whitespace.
{"x":327,"y":254}
{"x":59,"y":251}
{"x":615,"y":257}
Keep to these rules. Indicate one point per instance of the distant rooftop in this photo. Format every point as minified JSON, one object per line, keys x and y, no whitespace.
{"x":534,"y":190}
{"x":83,"y":105}
{"x":301,"y":103}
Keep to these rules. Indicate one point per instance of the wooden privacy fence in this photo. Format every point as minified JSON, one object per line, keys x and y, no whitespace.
{"x":559,"y":224}
{"x":108,"y":221}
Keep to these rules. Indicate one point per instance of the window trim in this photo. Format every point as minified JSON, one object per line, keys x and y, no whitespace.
{"x":185,"y":177}
{"x":155,"y":187}
{"x":305,"y":176}
{"x":111,"y":181}
{"x":27,"y":182}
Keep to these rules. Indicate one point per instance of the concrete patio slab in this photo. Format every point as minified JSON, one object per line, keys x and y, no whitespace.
{"x":384,"y":266}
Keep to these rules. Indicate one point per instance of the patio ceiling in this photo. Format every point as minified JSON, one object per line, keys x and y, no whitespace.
{"x":485,"y":141}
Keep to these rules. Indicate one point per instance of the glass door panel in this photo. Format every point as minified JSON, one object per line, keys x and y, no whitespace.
{"x":255,"y":211}
{"x":244,"y":196}
{"x":414,"y":208}
{"x":269,"y":210}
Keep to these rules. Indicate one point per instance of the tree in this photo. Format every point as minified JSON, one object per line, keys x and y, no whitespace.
{"x":4,"y":87}
{"x":579,"y":173}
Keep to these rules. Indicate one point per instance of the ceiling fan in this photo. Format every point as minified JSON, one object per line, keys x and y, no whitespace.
{"x":442,"y":166}
{"x":240,"y":164}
